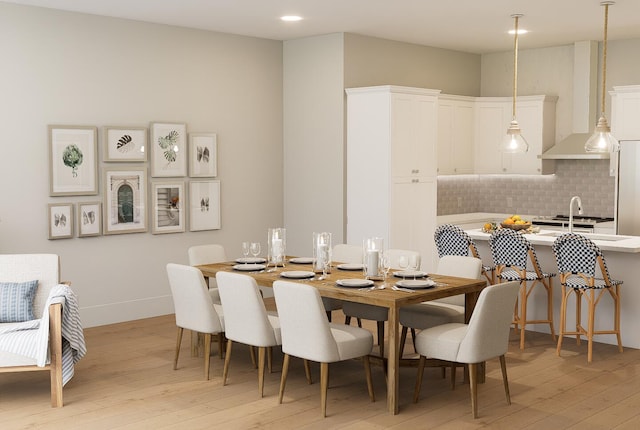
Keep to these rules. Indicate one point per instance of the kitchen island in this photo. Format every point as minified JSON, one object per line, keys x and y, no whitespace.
{"x":622,"y":254}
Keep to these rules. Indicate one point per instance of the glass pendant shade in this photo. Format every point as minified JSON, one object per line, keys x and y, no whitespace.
{"x":602,"y":140}
{"x":514,"y":141}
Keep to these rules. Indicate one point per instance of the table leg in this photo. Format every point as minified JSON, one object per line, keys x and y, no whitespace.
{"x":393,"y":362}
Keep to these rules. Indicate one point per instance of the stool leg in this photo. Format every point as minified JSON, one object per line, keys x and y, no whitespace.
{"x":549,"y":288}
{"x":563,"y":319}
{"x":578,"y":315}
{"x":523,"y":311}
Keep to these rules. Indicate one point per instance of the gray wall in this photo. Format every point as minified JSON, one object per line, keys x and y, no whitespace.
{"x":75,"y":69}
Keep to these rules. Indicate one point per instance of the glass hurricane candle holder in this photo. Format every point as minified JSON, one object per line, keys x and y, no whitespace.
{"x":276,"y":246}
{"x":322,"y":253}
{"x":372,"y":254}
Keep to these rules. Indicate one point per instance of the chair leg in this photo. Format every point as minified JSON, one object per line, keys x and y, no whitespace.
{"x":359,"y":322}
{"x":178,"y":342}
{"x":421,"y":363}
{"x":221,"y":340}
{"x":227,"y":359}
{"x":503,"y":367}
{"x":329,"y":315}
{"x":413,"y":338}
{"x":207,"y":355}
{"x":262,"y":351}
{"x":347,"y":320}
{"x":55,"y":372}
{"x":381,"y":337}
{"x":403,"y":340}
{"x":283,"y":378}
{"x":270,"y":359}
{"x":307,"y":371}
{"x":473,"y":383}
{"x":252,"y":351}
{"x":367,"y":370}
{"x":453,"y":376}
{"x":324,"y":385}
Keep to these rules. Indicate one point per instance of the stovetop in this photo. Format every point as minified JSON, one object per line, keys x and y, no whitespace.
{"x":582,"y":218}
{"x":578,"y":220}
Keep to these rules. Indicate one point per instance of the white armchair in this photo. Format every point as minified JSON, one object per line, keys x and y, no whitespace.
{"x":22,"y":268}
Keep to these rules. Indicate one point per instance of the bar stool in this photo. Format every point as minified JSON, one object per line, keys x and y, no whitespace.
{"x":512,"y":252}
{"x":452,"y":240}
{"x":577,"y":257}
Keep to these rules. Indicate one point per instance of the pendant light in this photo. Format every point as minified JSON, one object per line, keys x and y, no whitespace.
{"x":601,"y":140}
{"x":514,"y":142}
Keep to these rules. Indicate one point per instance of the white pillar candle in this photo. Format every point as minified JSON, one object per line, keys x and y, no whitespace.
{"x":372,"y":263}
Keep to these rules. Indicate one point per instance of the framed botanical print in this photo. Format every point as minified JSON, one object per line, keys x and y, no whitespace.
{"x":89,"y":219}
{"x":60,"y":217}
{"x":73,"y":160}
{"x":168,"y":206}
{"x":125,"y":197}
{"x":204,"y":205}
{"x":123,"y":144}
{"x":203,"y":159}
{"x":168,"y":149}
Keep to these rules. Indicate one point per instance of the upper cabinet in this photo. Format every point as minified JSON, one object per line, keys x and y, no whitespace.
{"x":625,"y":111}
{"x":455,"y":134}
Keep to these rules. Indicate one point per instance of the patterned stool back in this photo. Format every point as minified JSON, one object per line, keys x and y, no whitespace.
{"x":510,"y":248}
{"x":452,"y":240}
{"x":577,"y":254}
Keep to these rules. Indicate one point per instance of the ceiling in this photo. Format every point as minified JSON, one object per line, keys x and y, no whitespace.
{"x":476,"y":26}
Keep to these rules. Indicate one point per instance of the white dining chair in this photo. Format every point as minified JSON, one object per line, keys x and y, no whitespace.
{"x":194,"y":309}
{"x":247,"y":320}
{"x":208,"y":254}
{"x":441,"y":311}
{"x":378,"y":313}
{"x":307,"y":334}
{"x":485,"y":337}
{"x":341,"y":253}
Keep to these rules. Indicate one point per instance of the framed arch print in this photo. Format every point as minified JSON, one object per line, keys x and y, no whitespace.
{"x":125,"y":196}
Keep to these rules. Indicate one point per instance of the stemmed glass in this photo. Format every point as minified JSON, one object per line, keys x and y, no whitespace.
{"x":386,"y":265}
{"x":413,"y":265}
{"x":255,"y":249}
{"x":246,"y":246}
{"x":403,"y":263}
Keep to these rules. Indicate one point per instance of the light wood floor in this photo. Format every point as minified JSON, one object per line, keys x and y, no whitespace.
{"x":126,"y":381}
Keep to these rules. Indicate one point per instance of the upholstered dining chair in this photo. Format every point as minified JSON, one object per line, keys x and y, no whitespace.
{"x":377,"y":313}
{"x":578,"y":259}
{"x":194,"y":309}
{"x":208,"y":254}
{"x":512,"y":255}
{"x":486,"y":336}
{"x":441,"y":311}
{"x":247,"y":320}
{"x":342,"y":253}
{"x":452,"y":240}
{"x":307,"y":334}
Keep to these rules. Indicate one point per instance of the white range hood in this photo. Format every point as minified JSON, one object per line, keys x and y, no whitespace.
{"x":585,"y":85}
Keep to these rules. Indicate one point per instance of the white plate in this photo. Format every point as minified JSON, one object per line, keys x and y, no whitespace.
{"x":298,"y":274}
{"x":350,"y":266}
{"x":301,"y":260}
{"x":251,"y":260}
{"x":410,"y":274}
{"x":248,"y":267}
{"x":416,"y":284}
{"x":354,"y":283}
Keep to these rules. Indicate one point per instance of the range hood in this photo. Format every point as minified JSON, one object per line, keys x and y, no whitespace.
{"x":585,"y":63}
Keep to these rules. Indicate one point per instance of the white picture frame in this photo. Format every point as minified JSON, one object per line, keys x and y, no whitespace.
{"x":125,"y":144}
{"x":73,"y":160}
{"x":89,"y":219}
{"x":60,"y":219}
{"x":203,"y":155}
{"x":168,"y":207}
{"x":168,"y":149}
{"x":204,"y":205}
{"x":125,"y":196}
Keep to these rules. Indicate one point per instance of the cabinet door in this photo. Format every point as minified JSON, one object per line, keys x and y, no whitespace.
{"x":413,"y":217}
{"x":530,"y":119}
{"x":491,"y":126}
{"x":445,"y":138}
{"x":463,"y":138}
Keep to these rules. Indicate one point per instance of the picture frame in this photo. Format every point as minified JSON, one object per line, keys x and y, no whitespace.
{"x":89,"y":219}
{"x":203,"y":157}
{"x":168,"y":207}
{"x":168,"y":149}
{"x":73,"y":160}
{"x":125,"y":196}
{"x":204,"y":205}
{"x":125,"y":144}
{"x":60,"y":219}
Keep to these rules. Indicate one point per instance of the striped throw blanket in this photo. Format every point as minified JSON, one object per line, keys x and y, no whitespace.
{"x":31,"y":338}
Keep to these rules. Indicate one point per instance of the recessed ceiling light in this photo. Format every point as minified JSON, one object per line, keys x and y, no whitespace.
{"x":291,"y":18}
{"x":520,"y":31}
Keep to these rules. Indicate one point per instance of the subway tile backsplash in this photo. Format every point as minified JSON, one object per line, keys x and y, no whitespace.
{"x":541,"y":195}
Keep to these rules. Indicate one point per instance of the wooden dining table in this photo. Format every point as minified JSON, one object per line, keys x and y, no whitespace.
{"x":393,"y":300}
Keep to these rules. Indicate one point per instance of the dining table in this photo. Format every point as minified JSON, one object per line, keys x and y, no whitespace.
{"x":382,"y":294}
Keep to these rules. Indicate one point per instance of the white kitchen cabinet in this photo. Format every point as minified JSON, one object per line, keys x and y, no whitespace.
{"x":536,"y":116}
{"x":625,"y":111}
{"x":455,"y":134}
{"x":392,"y":167}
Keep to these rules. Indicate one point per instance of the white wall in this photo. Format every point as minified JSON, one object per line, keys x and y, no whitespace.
{"x":75,"y":69}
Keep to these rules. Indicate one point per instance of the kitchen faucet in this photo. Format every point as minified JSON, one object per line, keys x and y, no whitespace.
{"x":577,"y":200}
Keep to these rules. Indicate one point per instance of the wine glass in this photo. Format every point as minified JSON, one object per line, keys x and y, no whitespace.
{"x":255,"y":249}
{"x":403,"y":263}
{"x":246,"y":247}
{"x":386,"y":265}
{"x":413,"y":265}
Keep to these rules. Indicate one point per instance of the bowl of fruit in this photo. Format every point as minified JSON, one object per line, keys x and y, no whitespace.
{"x":515,"y":222}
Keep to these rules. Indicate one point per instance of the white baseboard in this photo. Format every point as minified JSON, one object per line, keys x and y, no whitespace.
{"x":92,"y":316}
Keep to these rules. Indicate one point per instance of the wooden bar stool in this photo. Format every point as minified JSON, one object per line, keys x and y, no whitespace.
{"x":452,"y":240}
{"x":577,"y":259}
{"x":512,"y":254}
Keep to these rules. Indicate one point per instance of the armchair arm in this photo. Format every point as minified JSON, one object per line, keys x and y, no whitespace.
{"x":55,"y":349}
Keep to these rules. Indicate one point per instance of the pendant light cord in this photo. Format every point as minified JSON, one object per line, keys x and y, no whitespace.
{"x":515,"y":67}
{"x":604,"y":58}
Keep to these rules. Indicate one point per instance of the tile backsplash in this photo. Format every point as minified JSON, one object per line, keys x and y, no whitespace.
{"x":540,"y":195}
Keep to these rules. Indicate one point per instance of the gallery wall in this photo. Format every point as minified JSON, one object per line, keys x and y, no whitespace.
{"x":75,"y":69}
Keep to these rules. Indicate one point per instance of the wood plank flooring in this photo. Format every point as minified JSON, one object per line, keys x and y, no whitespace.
{"x":126,"y":381}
